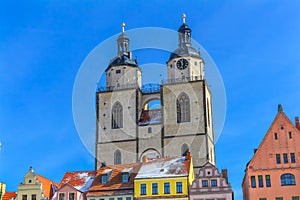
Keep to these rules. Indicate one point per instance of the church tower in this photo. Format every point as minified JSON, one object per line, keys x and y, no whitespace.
{"x":187,"y":104}
{"x":116,"y":108}
{"x":129,"y":128}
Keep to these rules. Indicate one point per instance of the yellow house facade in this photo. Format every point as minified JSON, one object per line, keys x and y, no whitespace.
{"x":166,"y":178}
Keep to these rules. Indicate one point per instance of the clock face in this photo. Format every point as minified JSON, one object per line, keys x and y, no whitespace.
{"x":182,"y":63}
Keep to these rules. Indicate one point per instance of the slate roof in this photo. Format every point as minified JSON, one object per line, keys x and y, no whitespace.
{"x":80,"y":180}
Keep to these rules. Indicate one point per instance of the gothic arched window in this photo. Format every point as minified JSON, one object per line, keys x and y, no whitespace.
{"x":117,"y":116}
{"x":287,"y":179}
{"x":117,"y":157}
{"x":183,"y":108}
{"x":184,"y":149}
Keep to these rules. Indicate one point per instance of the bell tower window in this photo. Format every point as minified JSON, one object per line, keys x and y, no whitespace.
{"x":183,"y":108}
{"x":117,"y":116}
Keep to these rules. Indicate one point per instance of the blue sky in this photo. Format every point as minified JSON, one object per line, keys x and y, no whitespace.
{"x":255,"y":44}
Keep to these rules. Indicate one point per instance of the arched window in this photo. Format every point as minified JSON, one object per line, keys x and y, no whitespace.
{"x":184,"y":149}
{"x":183,"y":108}
{"x":287,"y":179}
{"x":117,"y":157}
{"x":117,"y":116}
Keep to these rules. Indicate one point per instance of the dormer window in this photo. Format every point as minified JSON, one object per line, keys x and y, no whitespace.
{"x":125,"y":177}
{"x":126,"y":174}
{"x":104,"y":179}
{"x":105,"y":176}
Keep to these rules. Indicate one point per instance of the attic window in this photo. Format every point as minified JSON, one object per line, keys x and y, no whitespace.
{"x":275,"y":136}
{"x":125,"y":177}
{"x":282,"y":128}
{"x":29,"y":181}
{"x":118,"y":71}
{"x":104,"y":178}
{"x":290,"y":135}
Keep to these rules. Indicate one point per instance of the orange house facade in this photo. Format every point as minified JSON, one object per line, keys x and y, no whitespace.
{"x":273,"y":173}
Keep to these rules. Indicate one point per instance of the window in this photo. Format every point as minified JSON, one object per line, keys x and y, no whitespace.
{"x":290,"y":135}
{"x":262,"y":198}
{"x":24,"y":197}
{"x":119,"y":198}
{"x":279,"y":198}
{"x":29,"y":181}
{"x":268,"y":181}
{"x":178,"y":187}
{"x":117,"y":157}
{"x":154,"y":188}
{"x":183,"y":108}
{"x":33,"y":197}
{"x":71,"y":196}
{"x":204,"y":183}
{"x":104,"y":179}
{"x":278,"y":159}
{"x":295,"y":198}
{"x":253,"y":182}
{"x":208,"y":112}
{"x":111,"y":198}
{"x":167,"y":188}
{"x":285,"y":158}
{"x":125,"y":177}
{"x":128,"y":198}
{"x":117,"y":116}
{"x":260,"y":181}
{"x":184,"y":149}
{"x":287,"y":179}
{"x":275,"y":136}
{"x":61,"y":196}
{"x":293,"y":160}
{"x":214,"y":183}
{"x":118,"y":71}
{"x":143,"y":189}
{"x":149,"y":130}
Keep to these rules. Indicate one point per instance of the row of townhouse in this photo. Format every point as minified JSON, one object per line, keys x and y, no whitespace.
{"x":162,"y":178}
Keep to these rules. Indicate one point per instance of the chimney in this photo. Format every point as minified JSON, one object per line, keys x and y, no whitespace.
{"x":280,"y":109}
{"x":188,"y":156}
{"x":255,"y":151}
{"x":297,"y":123}
{"x":145,"y":159}
{"x":225,"y":174}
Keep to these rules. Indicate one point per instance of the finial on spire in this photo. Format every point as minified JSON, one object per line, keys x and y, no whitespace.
{"x":183,"y":18}
{"x":280,"y":109}
{"x":123,"y":27}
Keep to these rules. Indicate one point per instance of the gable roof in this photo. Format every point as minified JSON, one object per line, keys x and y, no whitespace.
{"x":80,"y":180}
{"x":281,"y":120}
{"x":114,"y":185}
{"x":9,"y":195}
{"x":165,"y":167}
{"x":48,"y":186}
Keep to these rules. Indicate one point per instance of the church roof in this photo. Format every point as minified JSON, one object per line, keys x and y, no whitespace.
{"x":122,"y":60}
{"x":185,"y":51}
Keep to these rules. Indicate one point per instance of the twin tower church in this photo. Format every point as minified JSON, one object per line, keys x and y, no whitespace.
{"x":129,"y":128}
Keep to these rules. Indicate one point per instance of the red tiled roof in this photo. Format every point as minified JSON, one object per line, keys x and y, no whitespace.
{"x":47,"y":185}
{"x":9,"y":195}
{"x":115,"y":185}
{"x":77,"y":179}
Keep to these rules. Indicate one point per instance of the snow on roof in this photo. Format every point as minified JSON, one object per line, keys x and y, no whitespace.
{"x":167,"y":167}
{"x":128,"y":170}
{"x":106,"y":171}
{"x":81,"y":180}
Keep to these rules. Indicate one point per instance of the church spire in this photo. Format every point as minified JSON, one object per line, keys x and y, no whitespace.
{"x":123,"y":42}
{"x":184,"y":33}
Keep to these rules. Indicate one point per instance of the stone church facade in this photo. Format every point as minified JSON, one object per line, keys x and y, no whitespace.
{"x":128,"y":128}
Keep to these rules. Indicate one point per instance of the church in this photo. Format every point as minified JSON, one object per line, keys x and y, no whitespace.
{"x":128,"y":128}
